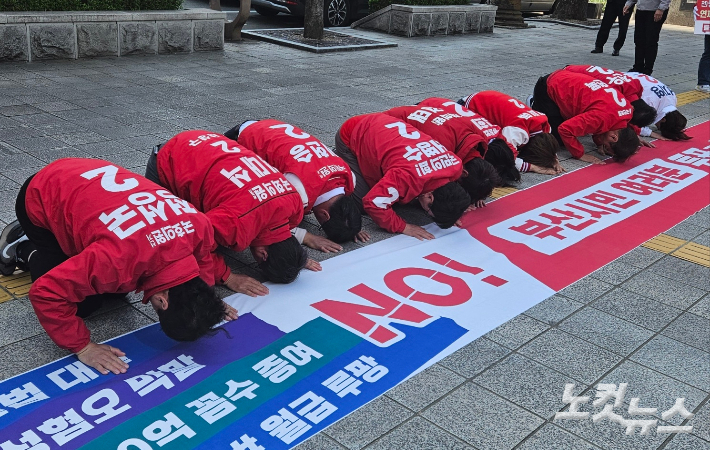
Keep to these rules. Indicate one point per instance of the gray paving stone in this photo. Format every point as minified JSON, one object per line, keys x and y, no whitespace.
{"x":637,"y":309}
{"x":700,"y":218}
{"x":34,"y":144}
{"x":702,"y":307}
{"x":685,"y":230}
{"x":115,"y":323}
{"x":482,"y":419}
{"x":27,"y":354}
{"x":687,"y":442}
{"x":552,"y":310}
{"x":703,"y":239}
{"x":606,"y":331}
{"x":425,"y":387}
{"x":551,"y":437}
{"x":701,"y":422}
{"x":586,"y":289}
{"x":654,"y":389}
{"x":616,"y":272}
{"x":571,"y":356}
{"x":610,"y":435}
{"x":368,"y":423}
{"x":18,"y":110}
{"x":664,"y":290}
{"x":517,"y":331}
{"x":690,"y":329}
{"x":418,"y":433}
{"x":683,"y":271}
{"x":319,"y":442}
{"x":535,"y":387}
{"x":19,"y":322}
{"x":87,"y":137}
{"x":474,"y":357}
{"x":680,"y":361}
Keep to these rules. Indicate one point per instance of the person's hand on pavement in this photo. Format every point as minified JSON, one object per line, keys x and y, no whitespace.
{"x":417,"y":232}
{"x":244,"y":284}
{"x":103,"y":358}
{"x":229,"y":312}
{"x":591,"y":159}
{"x":312,"y":264}
{"x":320,"y":243}
{"x":362,"y":236}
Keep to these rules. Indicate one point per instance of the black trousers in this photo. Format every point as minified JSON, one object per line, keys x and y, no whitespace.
{"x":151,"y":169}
{"x":646,"y":37}
{"x":46,"y":254}
{"x":544,"y":104}
{"x":614,"y":9}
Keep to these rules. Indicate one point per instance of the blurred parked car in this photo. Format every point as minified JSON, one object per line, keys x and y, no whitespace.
{"x":336,"y":13}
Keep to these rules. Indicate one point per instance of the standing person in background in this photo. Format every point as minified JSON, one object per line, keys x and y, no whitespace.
{"x":704,"y":68}
{"x":650,"y":15}
{"x":613,"y":9}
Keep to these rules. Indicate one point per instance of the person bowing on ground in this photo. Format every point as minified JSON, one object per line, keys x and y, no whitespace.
{"x":87,"y":229}
{"x":577,"y":104}
{"x":521,"y":126}
{"x":249,"y":203}
{"x":322,"y":179}
{"x":393,"y":162}
{"x":470,"y":137}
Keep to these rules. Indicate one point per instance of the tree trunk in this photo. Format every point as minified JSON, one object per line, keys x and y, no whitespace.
{"x":313,"y":20}
{"x":214,"y":4}
{"x":571,"y":9}
{"x":233,"y":30}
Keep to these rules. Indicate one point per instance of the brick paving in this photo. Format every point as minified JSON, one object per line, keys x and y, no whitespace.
{"x":643,"y":319}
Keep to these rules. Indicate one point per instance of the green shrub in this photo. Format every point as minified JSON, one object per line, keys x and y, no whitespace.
{"x":87,"y":5}
{"x":379,"y":4}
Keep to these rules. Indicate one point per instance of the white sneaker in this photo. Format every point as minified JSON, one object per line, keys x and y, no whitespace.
{"x":703,"y":88}
{"x":529,"y":100}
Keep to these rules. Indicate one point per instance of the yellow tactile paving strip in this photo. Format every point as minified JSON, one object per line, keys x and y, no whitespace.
{"x":664,"y":243}
{"x":502,"y":192}
{"x":691,"y":96}
{"x":4,"y":296}
{"x":18,"y":285}
{"x":679,"y":248}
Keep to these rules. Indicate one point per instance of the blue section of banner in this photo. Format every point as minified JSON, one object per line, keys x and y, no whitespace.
{"x":151,"y":349}
{"x":401,"y":360}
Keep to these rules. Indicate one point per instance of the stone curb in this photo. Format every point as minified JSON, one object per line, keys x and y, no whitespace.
{"x":409,"y":21}
{"x":30,"y":36}
{"x":255,"y":34}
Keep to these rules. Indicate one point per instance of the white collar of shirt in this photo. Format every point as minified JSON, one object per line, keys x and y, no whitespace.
{"x":328,"y":195}
{"x":246,"y":124}
{"x":296,"y":182}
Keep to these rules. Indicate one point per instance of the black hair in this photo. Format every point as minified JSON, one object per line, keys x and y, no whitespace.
{"x":672,"y":126}
{"x":644,"y":114}
{"x":626,"y":146}
{"x":501,"y":157}
{"x":193,"y":309}
{"x":482,"y":178}
{"x":233,"y":133}
{"x":450,"y":202}
{"x":345,"y":220}
{"x":540,"y":150}
{"x":285,"y":261}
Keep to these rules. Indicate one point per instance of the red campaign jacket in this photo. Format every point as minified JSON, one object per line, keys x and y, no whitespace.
{"x":589,"y":106}
{"x":398,"y":162}
{"x":248,"y":201}
{"x":462,"y":131}
{"x":517,"y":120}
{"x":291,"y":150}
{"x":121,"y":233}
{"x":631,"y":88}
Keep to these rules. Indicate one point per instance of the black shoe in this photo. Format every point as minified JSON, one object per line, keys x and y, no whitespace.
{"x":10,"y":237}
{"x":615,"y":52}
{"x":597,"y":50}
